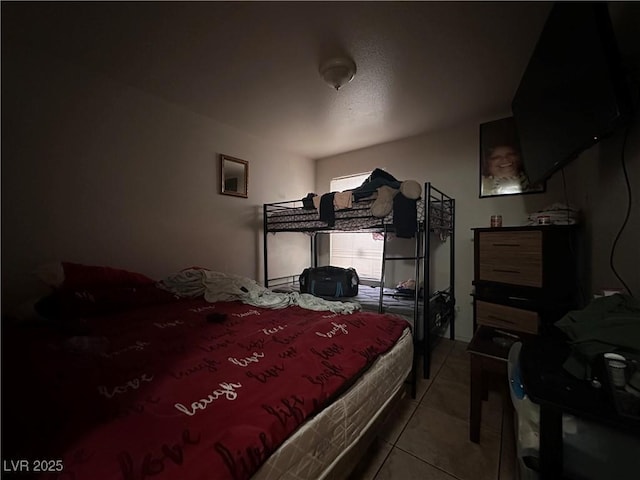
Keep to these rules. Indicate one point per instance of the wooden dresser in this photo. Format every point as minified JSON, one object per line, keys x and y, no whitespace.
{"x":525,"y":278}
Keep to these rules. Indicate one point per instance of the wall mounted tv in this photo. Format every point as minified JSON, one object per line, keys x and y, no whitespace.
{"x":573,"y":91}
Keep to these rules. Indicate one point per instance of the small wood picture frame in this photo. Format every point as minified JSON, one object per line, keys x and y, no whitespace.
{"x":234,"y":176}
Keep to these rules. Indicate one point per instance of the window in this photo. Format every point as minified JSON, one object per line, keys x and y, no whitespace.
{"x":358,"y":250}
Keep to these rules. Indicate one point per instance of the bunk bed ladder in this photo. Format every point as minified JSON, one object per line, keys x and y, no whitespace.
{"x":385,"y":232}
{"x":426,"y":294}
{"x":452,"y":323}
{"x":416,"y":296}
{"x":419,"y":255}
{"x":416,"y":258}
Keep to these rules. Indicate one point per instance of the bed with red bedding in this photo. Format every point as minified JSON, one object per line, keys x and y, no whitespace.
{"x":186,"y":389}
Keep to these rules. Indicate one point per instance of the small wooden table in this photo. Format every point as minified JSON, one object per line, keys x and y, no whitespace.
{"x":489,"y":350}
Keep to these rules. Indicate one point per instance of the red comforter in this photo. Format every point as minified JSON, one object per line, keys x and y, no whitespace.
{"x":192,"y":390}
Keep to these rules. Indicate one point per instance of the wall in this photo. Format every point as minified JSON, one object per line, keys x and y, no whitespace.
{"x":596,"y":183}
{"x":96,"y":172}
{"x":596,"y":180}
{"x":449,"y":160}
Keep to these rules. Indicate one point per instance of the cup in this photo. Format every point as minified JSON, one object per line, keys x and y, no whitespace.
{"x":607,"y":292}
{"x":614,"y":356}
{"x":496,"y":221}
{"x":617,"y":369}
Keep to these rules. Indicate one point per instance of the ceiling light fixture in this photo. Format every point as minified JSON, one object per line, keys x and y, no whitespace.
{"x":338,"y":71}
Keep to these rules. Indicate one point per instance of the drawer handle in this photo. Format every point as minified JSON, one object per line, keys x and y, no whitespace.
{"x":506,"y":271}
{"x":506,"y":244}
{"x":493,"y":317}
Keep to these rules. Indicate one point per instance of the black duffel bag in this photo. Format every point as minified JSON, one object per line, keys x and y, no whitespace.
{"x":329,"y":282}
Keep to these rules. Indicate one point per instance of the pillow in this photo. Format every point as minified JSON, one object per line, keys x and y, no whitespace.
{"x":67,"y":303}
{"x":82,"y":291}
{"x":78,"y":276}
{"x":383,"y":205}
{"x":411,"y":189}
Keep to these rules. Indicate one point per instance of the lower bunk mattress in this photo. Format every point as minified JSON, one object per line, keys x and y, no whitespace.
{"x":196,"y":390}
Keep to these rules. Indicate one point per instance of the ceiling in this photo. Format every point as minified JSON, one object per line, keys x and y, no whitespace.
{"x":422,"y":66}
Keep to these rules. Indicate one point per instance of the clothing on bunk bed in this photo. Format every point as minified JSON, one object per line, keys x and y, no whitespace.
{"x":370,"y":186}
{"x":405,"y":215}
{"x":343,"y":200}
{"x":327,"y":211}
{"x":307,"y":202}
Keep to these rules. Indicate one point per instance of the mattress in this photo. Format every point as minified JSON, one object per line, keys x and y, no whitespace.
{"x":194,"y":390}
{"x":316,"y":450}
{"x":288,"y":216}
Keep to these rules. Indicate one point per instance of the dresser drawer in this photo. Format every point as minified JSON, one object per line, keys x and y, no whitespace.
{"x":502,"y":316}
{"x":511,"y":257}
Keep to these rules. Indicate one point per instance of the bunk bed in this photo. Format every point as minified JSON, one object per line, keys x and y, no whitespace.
{"x":430,"y":312}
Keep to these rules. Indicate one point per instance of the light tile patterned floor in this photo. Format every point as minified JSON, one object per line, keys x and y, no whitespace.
{"x":428,"y":437}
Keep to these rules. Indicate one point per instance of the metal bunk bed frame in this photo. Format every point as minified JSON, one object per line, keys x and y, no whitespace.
{"x":438,"y":206}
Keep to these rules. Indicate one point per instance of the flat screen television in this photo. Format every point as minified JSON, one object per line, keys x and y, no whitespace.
{"x":573,"y":91}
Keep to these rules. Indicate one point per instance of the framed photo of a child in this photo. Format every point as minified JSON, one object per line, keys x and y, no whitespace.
{"x":501,"y":168}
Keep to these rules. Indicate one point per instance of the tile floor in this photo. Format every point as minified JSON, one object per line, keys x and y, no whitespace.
{"x":428,"y":437}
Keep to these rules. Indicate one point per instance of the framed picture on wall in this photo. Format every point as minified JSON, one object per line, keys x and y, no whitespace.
{"x":501,"y":168}
{"x":234,"y":176}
